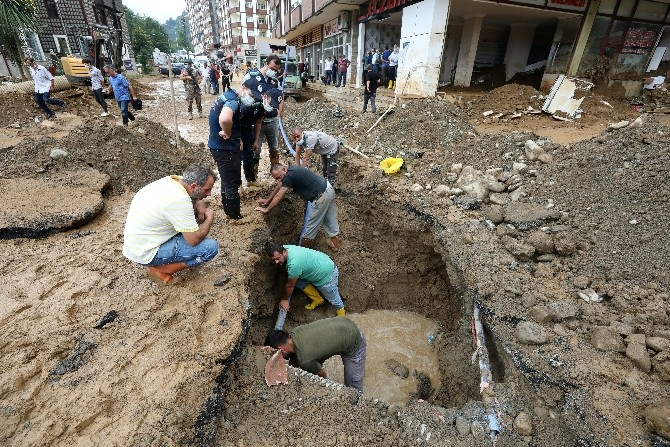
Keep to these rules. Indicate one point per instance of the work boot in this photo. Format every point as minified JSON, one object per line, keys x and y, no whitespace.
{"x":249,"y":174}
{"x":164,"y":273}
{"x":341,"y":312}
{"x":333,"y":242}
{"x":232,"y":208}
{"x":307,"y":243}
{"x":314,"y":295}
{"x":131,"y":117}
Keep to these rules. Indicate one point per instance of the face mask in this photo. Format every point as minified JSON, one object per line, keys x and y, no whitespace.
{"x":270,"y":73}
{"x":247,"y":100}
{"x":267,"y":105}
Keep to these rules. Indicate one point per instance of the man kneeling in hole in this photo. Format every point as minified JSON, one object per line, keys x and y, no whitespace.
{"x":312,"y":272}
{"x":309,"y":345}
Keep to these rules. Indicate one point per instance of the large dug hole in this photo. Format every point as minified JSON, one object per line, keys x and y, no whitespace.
{"x":401,"y":289}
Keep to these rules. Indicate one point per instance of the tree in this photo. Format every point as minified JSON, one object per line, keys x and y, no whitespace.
{"x":16,"y":16}
{"x":145,"y":35}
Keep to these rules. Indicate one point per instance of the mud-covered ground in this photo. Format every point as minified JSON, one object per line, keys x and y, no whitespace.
{"x":562,"y":246}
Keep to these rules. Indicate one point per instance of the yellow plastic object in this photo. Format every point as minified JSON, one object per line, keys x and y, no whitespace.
{"x":391,"y":165}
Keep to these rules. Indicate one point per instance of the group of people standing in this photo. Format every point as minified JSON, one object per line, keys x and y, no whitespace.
{"x":384,"y":62}
{"x":168,"y":221}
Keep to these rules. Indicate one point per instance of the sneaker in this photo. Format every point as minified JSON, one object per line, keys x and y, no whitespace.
{"x":104,"y":114}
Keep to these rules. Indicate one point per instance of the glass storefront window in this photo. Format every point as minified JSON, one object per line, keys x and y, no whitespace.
{"x":626,"y":8}
{"x":595,"y":43}
{"x":607,"y":7}
{"x":636,"y":49}
{"x":647,"y":10}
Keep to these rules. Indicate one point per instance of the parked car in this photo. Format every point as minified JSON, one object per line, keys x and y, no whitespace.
{"x":176,"y":69}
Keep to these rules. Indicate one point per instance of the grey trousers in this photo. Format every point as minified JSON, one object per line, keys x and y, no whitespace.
{"x":324,"y":212}
{"x":354,"y":367}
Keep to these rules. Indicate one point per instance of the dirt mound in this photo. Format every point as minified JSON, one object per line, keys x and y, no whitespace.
{"x":132,"y":156}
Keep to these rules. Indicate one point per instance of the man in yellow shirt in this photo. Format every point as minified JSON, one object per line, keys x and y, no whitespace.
{"x":168,"y":223}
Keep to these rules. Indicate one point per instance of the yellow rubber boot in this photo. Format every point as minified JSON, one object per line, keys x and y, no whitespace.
{"x":314,"y":295}
{"x":390,"y":84}
{"x":341,"y":312}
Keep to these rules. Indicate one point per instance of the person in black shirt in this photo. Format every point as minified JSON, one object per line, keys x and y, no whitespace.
{"x":370,"y":94}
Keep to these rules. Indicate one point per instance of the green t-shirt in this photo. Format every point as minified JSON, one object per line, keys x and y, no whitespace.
{"x":310,"y":265}
{"x":318,"y":341}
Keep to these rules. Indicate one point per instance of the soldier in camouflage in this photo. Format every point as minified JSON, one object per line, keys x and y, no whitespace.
{"x":192,"y":78}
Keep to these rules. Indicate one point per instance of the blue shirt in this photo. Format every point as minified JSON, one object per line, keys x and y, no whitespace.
{"x":120,"y":85}
{"x":231,"y":100}
{"x":385,"y":58}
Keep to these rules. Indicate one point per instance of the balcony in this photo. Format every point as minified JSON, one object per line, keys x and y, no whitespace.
{"x":262,"y":26}
{"x":235,"y":10}
{"x":234,"y":25}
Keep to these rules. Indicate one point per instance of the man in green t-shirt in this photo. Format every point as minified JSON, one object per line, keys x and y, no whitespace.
{"x":312,"y":272}
{"x":309,"y":345}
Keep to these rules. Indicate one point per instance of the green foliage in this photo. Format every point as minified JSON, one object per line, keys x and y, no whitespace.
{"x":14,"y":15}
{"x":145,"y":35}
{"x":184,"y":41}
{"x":175,"y":28}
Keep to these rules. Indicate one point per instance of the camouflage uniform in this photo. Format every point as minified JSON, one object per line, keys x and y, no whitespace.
{"x":192,"y":87}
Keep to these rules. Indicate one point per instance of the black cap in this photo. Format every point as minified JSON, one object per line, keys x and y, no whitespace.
{"x":276,"y":97}
{"x":257,"y":86}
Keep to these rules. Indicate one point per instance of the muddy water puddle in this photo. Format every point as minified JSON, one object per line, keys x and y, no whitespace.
{"x":393,"y":335}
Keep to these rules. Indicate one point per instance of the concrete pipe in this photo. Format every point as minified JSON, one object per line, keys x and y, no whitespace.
{"x":60,"y":83}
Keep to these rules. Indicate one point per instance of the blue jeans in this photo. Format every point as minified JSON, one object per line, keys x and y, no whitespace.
{"x":125,"y":113}
{"x":42,"y":99}
{"x":341,"y":78}
{"x":215,"y":86}
{"x":329,"y":290}
{"x":176,"y":249}
{"x":329,"y":76}
{"x":369,"y":97}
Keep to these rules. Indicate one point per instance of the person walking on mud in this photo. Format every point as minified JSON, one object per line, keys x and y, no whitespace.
{"x":370,"y":93}
{"x":191,"y":80}
{"x":311,"y":271}
{"x":309,"y":345}
{"x":96,"y":85}
{"x":168,"y":223}
{"x":44,"y":85}
{"x":311,"y":188}
{"x":308,"y":141}
{"x":123,"y":92}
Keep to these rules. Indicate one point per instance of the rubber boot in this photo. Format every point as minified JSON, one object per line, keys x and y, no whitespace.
{"x":341,"y":312}
{"x":131,"y":117}
{"x":314,"y":295}
{"x":232,"y":209}
{"x":390,"y":84}
{"x":307,"y":243}
{"x":124,"y":119}
{"x":164,"y":273}
{"x":333,"y":242}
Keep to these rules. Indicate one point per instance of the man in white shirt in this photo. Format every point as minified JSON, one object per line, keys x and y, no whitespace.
{"x":96,"y":84}
{"x":204,"y":72}
{"x":168,"y":223}
{"x":44,"y":85}
{"x":328,"y":68}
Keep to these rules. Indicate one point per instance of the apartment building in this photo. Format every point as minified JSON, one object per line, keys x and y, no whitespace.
{"x":228,"y":26}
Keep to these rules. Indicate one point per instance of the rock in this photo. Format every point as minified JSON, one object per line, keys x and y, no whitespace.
{"x":451,"y":177}
{"x":519,"y":168}
{"x":658,"y":418}
{"x":531,"y":149}
{"x":416,"y":188}
{"x":637,"y":352}
{"x":565,"y":243}
{"x":521,"y":251}
{"x":541,"y":314}
{"x":526,"y":216}
{"x":442,"y":190}
{"x":546,"y":258}
{"x":528,"y":299}
{"x":545,"y":158}
{"x":457,"y":192}
{"x":581,"y":282}
{"x":523,"y":424}
{"x":468,"y":239}
{"x":658,"y":344}
{"x":57,"y":153}
{"x":637,"y":122}
{"x":462,"y":426}
{"x":456,"y":168}
{"x":531,"y":333}
{"x":518,"y":194}
{"x":562,"y":311}
{"x":661,"y":364}
{"x":468,"y":203}
{"x":423,"y":387}
{"x":473,"y":183}
{"x":542,"y":242}
{"x":619,"y":125}
{"x":622,"y":328}
{"x":499,"y":199}
{"x":605,"y":338}
{"x":494,"y":213}
{"x":496,"y":186}
{"x":589,"y":295}
{"x":397,"y":368}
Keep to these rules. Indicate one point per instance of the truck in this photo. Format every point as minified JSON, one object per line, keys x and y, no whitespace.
{"x":104,"y":46}
{"x":266,"y":47}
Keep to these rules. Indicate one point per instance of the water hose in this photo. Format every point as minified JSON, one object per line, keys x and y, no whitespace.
{"x":485,"y":376}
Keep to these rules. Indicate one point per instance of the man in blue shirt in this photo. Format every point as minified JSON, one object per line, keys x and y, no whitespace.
{"x":385,"y":66}
{"x":123,"y":92}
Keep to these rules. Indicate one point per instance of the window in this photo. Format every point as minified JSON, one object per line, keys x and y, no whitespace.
{"x":295,"y":4}
{"x":250,"y":18}
{"x":261,"y":21}
{"x":262,"y":5}
{"x":249,"y":5}
{"x":52,"y":9}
